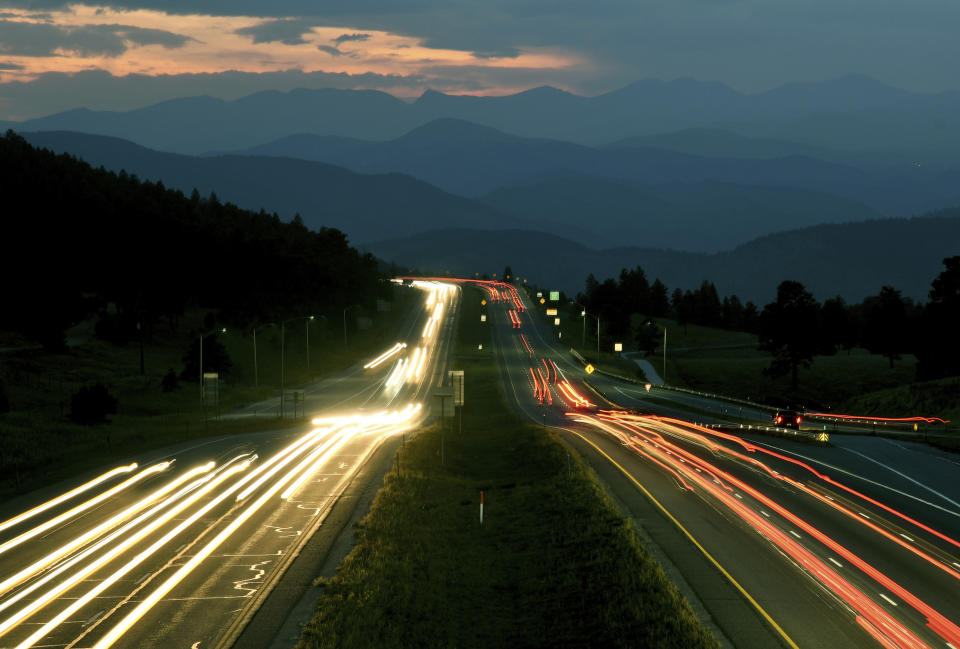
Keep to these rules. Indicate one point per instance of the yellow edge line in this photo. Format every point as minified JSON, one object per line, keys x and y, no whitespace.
{"x":726,"y":574}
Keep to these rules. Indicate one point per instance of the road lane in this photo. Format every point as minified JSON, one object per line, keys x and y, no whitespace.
{"x":188,"y":569}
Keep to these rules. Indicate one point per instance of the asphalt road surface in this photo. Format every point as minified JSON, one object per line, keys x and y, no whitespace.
{"x":182,"y":548}
{"x":779,"y":542}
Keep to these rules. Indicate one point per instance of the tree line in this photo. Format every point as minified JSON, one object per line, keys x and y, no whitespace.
{"x":78,"y":240}
{"x":795,"y":326}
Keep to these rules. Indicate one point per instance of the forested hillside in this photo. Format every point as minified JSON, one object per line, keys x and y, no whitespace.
{"x":77,"y":239}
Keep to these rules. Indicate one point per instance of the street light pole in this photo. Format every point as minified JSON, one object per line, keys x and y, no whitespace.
{"x":664,"y":377}
{"x":585,"y":313}
{"x":256,"y":372}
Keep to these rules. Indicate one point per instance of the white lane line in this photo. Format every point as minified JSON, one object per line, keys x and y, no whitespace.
{"x":765,"y":513}
{"x":859,"y":477}
{"x":956,"y":564}
{"x":864,"y":515}
{"x":903,"y":475}
{"x":888,"y":599}
{"x":94,"y":618}
{"x":906,"y":537}
{"x":951,"y":646}
{"x":795,"y":534}
{"x":835,"y":562}
{"x":738,"y":496}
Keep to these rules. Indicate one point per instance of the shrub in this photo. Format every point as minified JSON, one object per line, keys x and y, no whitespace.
{"x":91,"y":405}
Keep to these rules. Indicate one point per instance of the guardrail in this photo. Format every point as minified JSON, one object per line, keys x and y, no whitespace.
{"x":878,"y":425}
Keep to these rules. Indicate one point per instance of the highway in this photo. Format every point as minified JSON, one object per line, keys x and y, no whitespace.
{"x":779,"y":542}
{"x":179,"y":547}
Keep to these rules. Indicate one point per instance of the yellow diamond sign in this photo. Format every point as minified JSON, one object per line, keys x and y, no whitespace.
{"x":483,"y":302}
{"x":589,"y":368}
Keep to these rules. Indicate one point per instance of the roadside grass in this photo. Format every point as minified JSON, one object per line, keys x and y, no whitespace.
{"x":828,"y":384}
{"x":40,"y":445}
{"x":554,"y":563}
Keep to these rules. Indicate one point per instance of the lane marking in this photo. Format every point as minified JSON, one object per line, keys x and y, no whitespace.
{"x":693,"y":540}
{"x":835,"y":562}
{"x":902,"y":475}
{"x":765,"y":513}
{"x":888,"y":599}
{"x":906,"y":537}
{"x":859,"y":477}
{"x":795,"y":534}
{"x":864,"y":515}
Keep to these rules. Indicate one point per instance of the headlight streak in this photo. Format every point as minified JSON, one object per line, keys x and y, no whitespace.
{"x":217,"y":480}
{"x":144,"y":606}
{"x":278,"y":461}
{"x":39,"y":509}
{"x":13,"y":581}
{"x":384,"y":356}
{"x":397,"y":375}
{"x":122,"y":531}
{"x":875,"y":615}
{"x":67,"y":515}
{"x":321,"y":455}
{"x":410,"y":374}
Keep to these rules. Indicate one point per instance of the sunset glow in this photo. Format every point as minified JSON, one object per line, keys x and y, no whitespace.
{"x":156,"y":43}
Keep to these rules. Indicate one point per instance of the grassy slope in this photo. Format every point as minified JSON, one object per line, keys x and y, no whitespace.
{"x":39,"y":386}
{"x":554,"y":563}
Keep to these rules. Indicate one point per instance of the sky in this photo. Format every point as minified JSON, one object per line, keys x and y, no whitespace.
{"x":57,"y":56}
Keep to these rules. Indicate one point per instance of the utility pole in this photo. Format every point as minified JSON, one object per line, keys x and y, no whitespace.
{"x":664,"y":356}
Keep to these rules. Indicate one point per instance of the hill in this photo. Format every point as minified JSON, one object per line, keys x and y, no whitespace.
{"x":850,"y":113}
{"x":473,"y":160}
{"x":852,"y":259}
{"x":366,"y":207}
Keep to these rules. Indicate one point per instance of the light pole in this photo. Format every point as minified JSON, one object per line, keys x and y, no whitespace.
{"x":222,"y":330}
{"x":584,"y":313}
{"x":583,"y":321}
{"x":256,"y":370}
{"x":345,"y":324}
{"x":664,"y":377}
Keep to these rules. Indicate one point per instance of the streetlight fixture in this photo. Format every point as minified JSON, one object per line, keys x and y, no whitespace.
{"x":345,"y":324}
{"x":221,"y":330}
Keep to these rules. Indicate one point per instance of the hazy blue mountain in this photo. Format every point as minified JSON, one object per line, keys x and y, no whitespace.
{"x":720,"y":143}
{"x":853,"y":259}
{"x":366,"y":207}
{"x":703,"y":216}
{"x":791,"y":112}
{"x":473,"y":160}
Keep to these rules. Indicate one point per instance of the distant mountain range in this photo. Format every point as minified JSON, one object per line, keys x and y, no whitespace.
{"x":852,"y":260}
{"x":699,"y":215}
{"x":852,"y":113}
{"x":473,"y":160}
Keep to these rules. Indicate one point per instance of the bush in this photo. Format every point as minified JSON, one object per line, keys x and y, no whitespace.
{"x":91,"y":405}
{"x":170,"y":381}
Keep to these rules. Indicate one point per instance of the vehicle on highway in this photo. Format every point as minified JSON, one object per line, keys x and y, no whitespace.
{"x":788,"y":419}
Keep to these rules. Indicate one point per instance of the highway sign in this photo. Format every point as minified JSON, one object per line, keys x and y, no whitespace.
{"x":554,"y":296}
{"x":589,"y":368}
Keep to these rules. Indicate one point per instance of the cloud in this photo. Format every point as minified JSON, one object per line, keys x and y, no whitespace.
{"x":344,"y":38}
{"x":330,"y":49}
{"x":19,"y":38}
{"x":288,"y":31}
{"x":502,"y":53}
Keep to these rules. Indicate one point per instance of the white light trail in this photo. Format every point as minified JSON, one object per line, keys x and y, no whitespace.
{"x":49,"y":626}
{"x":13,"y":581}
{"x":66,"y":496}
{"x":384,"y":356}
{"x":53,"y":522}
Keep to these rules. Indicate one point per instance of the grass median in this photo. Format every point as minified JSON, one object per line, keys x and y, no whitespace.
{"x":553,"y":564}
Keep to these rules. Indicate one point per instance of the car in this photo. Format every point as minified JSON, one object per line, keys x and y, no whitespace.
{"x":788,"y":419}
